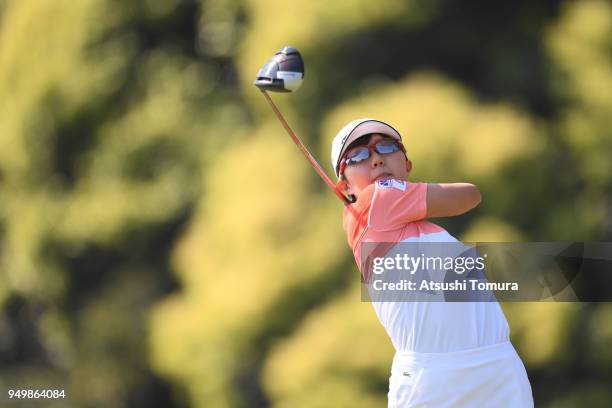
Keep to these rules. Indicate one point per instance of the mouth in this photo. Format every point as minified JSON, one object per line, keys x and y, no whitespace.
{"x":382,"y":176}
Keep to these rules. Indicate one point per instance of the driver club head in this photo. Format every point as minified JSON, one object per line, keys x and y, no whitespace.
{"x":284,"y":72}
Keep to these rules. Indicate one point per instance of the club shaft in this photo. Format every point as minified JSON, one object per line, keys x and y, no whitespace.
{"x":305,"y":151}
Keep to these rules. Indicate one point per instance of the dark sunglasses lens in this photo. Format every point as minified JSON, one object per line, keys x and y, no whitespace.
{"x":386,"y":147}
{"x":358,"y":155}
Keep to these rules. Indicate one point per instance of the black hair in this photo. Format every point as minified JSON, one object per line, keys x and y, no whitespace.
{"x":363,"y":140}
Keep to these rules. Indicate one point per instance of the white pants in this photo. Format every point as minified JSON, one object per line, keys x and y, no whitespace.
{"x":490,"y":376}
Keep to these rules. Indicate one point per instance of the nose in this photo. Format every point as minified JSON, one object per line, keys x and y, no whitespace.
{"x":377,"y":159}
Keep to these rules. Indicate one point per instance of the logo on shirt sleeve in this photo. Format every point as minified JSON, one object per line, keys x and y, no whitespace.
{"x":392,"y":183}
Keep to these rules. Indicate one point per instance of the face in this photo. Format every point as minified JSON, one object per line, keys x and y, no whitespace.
{"x":378,"y":166}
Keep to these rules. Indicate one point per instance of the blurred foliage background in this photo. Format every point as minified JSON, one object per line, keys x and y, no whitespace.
{"x":163,"y":243}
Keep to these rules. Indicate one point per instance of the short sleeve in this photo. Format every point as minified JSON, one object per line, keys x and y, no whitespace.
{"x":355,"y":221}
{"x":396,"y":203}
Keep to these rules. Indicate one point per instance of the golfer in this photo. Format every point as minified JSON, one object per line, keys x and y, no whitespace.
{"x":447,"y":354}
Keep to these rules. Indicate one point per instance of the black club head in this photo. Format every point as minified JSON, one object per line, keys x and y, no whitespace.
{"x":284,"y":72}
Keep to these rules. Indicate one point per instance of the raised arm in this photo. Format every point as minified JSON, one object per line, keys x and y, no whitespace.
{"x":449,"y":199}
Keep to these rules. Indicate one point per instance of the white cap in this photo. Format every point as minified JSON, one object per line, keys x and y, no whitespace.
{"x":353,"y":131}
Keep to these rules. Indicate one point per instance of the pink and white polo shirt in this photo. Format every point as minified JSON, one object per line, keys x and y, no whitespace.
{"x":393,"y":211}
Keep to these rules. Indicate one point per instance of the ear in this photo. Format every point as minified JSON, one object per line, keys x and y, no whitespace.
{"x":345,"y":187}
{"x":408,"y":166}
{"x":349,"y":192}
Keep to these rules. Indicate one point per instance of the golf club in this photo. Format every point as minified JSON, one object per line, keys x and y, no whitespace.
{"x":284,"y":73}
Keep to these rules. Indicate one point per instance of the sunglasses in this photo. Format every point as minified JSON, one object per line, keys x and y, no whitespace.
{"x":362,"y":153}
